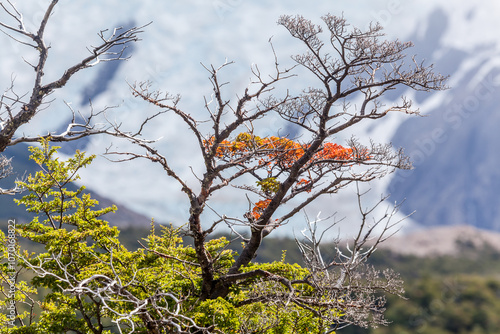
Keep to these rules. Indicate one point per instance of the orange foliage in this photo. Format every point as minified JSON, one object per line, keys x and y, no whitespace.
{"x":283,"y":153}
{"x":304,"y":182}
{"x":331,"y":151}
{"x":259,"y":207}
{"x":280,"y":151}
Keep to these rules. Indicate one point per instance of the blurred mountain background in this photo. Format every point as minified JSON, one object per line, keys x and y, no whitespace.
{"x":454,"y":147}
{"x":449,"y":252}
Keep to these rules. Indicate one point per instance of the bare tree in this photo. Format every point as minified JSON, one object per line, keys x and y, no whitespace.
{"x":17,"y":109}
{"x":278,"y":176}
{"x":352,"y":65}
{"x":360,"y":65}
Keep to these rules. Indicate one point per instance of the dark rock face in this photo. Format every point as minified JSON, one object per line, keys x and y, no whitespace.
{"x":455,"y":149}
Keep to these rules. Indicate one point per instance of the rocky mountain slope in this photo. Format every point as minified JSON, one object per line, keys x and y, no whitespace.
{"x":443,"y":240}
{"x":455,"y":147}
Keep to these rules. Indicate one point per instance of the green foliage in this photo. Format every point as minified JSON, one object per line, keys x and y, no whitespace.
{"x":89,"y":280}
{"x":219,"y":312}
{"x":458,"y":304}
{"x":445,"y":294}
{"x":269,"y":185}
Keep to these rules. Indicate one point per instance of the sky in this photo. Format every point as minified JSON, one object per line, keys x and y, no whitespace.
{"x":182,"y":36}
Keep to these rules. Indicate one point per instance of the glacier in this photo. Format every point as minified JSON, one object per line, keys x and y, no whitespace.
{"x":460,"y":37}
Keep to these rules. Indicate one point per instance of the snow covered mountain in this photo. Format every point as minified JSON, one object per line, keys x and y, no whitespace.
{"x":453,"y":148}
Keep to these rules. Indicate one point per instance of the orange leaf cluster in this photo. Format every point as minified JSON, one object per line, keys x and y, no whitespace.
{"x":279,"y":150}
{"x":331,"y":151}
{"x":259,"y":207}
{"x":303,"y":182}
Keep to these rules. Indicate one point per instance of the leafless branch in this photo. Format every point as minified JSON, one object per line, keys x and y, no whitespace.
{"x":343,"y":271}
{"x":20,"y":110}
{"x":110,"y":290}
{"x":5,"y":171}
